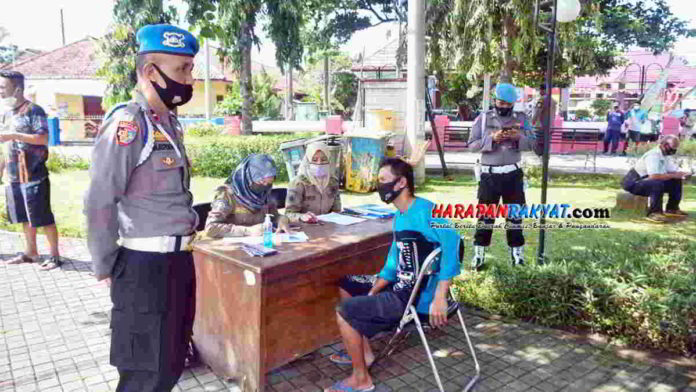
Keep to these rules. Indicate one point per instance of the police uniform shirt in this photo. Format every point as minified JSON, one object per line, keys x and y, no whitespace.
{"x":654,"y":162}
{"x":507,"y":152}
{"x":131,"y":199}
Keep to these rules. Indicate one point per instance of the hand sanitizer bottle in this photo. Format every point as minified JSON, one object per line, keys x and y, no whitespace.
{"x":268,"y":232}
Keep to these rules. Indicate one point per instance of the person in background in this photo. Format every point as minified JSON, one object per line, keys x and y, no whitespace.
{"x":372,"y":304}
{"x":634,"y":120}
{"x":615,"y":120}
{"x":688,"y":123}
{"x":501,"y":135}
{"x":28,"y":191}
{"x":540,"y":114}
{"x":242,"y":203}
{"x":314,"y":191}
{"x":655,"y":174}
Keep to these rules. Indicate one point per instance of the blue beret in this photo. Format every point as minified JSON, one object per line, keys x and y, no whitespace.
{"x":164,"y":38}
{"x":506,"y":92}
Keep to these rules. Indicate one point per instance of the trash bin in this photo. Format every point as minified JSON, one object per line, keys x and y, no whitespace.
{"x":364,"y":151}
{"x":53,"y":131}
{"x":293,"y":152}
{"x":306,"y":111}
{"x":379,"y":120}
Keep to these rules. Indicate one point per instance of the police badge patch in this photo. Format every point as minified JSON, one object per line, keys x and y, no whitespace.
{"x":126,"y":132}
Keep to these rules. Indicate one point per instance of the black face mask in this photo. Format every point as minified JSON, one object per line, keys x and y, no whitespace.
{"x":175,"y":94}
{"x":387,"y":192}
{"x":668,"y":150}
{"x":503,"y":112}
{"x":260,"y":189}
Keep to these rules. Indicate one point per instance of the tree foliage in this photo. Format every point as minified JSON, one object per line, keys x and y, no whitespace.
{"x":499,"y":37}
{"x":266,"y":100}
{"x":601,"y":107}
{"x":118,"y":48}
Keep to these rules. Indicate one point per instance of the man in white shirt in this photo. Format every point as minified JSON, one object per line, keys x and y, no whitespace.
{"x":655,"y":174}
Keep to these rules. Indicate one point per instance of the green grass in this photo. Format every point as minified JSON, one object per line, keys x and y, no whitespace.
{"x":633,"y":282}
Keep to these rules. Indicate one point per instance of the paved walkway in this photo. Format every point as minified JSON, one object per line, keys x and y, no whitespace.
{"x":54,"y":336}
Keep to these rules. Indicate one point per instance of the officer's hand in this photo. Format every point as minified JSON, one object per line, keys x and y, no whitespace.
{"x":498,"y":136}
{"x":514,"y":135}
{"x":5,"y":137}
{"x":438,"y":312}
{"x":106,"y":279}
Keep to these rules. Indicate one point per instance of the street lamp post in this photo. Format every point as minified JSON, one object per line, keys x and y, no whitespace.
{"x":561,"y":11}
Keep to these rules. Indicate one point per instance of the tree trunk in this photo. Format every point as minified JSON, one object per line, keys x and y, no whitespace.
{"x":245,"y":80}
{"x":509,"y":32}
{"x":326,"y":84}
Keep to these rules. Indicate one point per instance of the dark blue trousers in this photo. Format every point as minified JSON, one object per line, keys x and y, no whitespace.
{"x":612,"y":136}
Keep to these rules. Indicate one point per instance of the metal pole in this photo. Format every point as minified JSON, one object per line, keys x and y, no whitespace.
{"x":541,"y":255}
{"x":207,"y":81}
{"x":415,"y":88}
{"x":62,"y":26}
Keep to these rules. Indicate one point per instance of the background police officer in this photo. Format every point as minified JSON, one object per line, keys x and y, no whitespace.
{"x":140,"y":218}
{"x":501,"y":135}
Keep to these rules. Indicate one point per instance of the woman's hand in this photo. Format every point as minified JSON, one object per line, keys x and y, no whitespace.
{"x":283,"y":225}
{"x":309,"y":217}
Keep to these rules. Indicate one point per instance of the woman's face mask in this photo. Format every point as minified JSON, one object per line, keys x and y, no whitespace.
{"x":319,"y":169}
{"x":260,"y":188}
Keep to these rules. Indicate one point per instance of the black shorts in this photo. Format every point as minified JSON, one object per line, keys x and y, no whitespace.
{"x":641,"y":137}
{"x":30,"y":203}
{"x":370,"y":315}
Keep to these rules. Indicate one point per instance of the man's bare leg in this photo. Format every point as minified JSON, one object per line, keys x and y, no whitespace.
{"x":369,"y":354}
{"x":30,"y":240}
{"x":52,"y":237}
{"x":353,"y":341}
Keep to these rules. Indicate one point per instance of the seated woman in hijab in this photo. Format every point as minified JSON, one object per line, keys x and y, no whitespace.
{"x":314,"y":191}
{"x":241,"y":204}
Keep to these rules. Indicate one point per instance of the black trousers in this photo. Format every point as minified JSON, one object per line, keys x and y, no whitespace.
{"x":510,"y":187}
{"x":654,"y":189}
{"x":152,"y":318}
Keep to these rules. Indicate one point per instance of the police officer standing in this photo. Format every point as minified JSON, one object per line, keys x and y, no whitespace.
{"x":501,"y":135}
{"x":140,"y":218}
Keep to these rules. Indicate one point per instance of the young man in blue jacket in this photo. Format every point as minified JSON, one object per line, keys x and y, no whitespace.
{"x":372,"y":304}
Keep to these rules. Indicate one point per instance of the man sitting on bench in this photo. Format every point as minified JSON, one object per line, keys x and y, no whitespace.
{"x":373,"y":304}
{"x":655,"y":174}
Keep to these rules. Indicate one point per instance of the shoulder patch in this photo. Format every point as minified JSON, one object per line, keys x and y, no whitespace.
{"x":126,"y":132}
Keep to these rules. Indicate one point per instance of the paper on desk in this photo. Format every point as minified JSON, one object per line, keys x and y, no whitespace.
{"x":298,"y":236}
{"x":340,"y":219}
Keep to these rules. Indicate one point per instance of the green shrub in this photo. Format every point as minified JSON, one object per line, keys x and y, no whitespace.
{"x":219,"y":156}
{"x":204,"y":129}
{"x":638,"y":290}
{"x":59,"y":162}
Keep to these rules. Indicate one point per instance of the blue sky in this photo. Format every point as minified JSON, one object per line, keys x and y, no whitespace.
{"x":36,"y":24}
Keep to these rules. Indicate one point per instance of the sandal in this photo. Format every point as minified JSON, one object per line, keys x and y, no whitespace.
{"x":22,"y":258}
{"x":51,"y":263}
{"x":339,"y":386}
{"x":342,"y":358}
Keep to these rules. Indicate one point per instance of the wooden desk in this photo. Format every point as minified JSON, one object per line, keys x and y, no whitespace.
{"x":255,"y":314}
